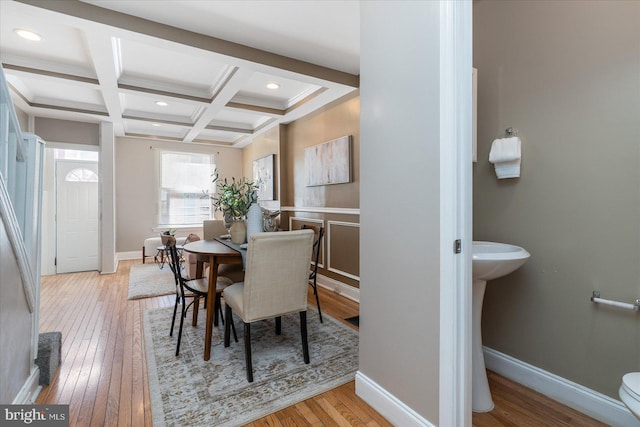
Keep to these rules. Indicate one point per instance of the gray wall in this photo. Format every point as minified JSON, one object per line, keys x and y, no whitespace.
{"x":15,"y":333}
{"x":55,"y":130}
{"x":399,"y":201}
{"x":567,"y":76}
{"x":135,"y":185}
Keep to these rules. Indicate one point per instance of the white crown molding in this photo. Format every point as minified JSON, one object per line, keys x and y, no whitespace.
{"x":343,"y":211}
{"x":302,"y":95}
{"x":573,"y":395}
{"x":260,"y":101}
{"x":43,"y":102}
{"x":170,"y":119}
{"x":172,"y":88}
{"x":49,"y":66}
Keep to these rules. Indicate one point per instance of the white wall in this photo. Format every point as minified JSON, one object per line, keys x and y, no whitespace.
{"x":400,"y":265}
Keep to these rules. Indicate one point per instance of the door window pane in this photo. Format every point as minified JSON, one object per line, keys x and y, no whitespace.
{"x":81,"y":175}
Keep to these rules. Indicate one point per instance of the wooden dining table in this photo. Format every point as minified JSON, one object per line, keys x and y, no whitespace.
{"x":215,"y":253}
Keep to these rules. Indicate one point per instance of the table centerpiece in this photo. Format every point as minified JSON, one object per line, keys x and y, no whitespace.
{"x":234,"y":198}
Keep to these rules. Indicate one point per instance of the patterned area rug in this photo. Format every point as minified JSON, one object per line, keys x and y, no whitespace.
{"x":187,"y":391}
{"x":147,"y":280}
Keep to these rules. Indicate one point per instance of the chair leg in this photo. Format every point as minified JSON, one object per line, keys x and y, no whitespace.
{"x":227,"y":328}
{"x":196,"y":305}
{"x":143,"y":255}
{"x":182,"y":316}
{"x":303,"y":332}
{"x":278,"y":325}
{"x":217,"y":305}
{"x":315,"y":292}
{"x":247,"y":351}
{"x":175,"y":310}
{"x":220,"y":310}
{"x":229,"y":325}
{"x":233,"y":328}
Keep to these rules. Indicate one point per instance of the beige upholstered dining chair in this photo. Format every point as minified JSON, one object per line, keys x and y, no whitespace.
{"x":275,"y":284}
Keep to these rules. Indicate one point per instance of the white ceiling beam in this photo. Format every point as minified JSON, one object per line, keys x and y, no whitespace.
{"x":101,"y":50}
{"x":228,"y":90}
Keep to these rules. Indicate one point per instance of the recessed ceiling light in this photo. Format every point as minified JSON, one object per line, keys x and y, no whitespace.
{"x":156,"y":124}
{"x":273,"y":86}
{"x":26,"y":34}
{"x":161,"y":103}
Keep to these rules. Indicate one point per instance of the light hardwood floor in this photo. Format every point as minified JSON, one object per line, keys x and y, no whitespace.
{"x":103,"y":376}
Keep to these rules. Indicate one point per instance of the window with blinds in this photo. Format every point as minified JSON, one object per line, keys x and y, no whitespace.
{"x":184,"y":182}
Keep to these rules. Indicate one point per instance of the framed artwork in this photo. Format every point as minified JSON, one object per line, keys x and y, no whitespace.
{"x":263,"y":177}
{"x":328,"y":163}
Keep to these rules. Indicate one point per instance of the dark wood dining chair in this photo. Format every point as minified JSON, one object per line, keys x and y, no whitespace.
{"x":313,"y":276}
{"x":194,"y":289}
{"x":275,"y":284}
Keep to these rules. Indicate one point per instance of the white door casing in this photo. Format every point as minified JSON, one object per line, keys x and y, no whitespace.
{"x":77,"y":215}
{"x":456,"y":157}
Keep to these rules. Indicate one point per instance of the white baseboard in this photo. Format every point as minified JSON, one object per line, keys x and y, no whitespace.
{"x":576,"y":396}
{"x":122,"y":256}
{"x":395,"y":411}
{"x":340,"y":288}
{"x":30,"y":390}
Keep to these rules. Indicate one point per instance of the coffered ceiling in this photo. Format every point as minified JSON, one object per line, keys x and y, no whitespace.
{"x":189,"y":71}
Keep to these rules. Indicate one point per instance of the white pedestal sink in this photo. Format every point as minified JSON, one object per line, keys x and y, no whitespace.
{"x":490,"y":261}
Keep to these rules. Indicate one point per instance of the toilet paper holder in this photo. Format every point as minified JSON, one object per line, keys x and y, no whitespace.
{"x":595,"y":297}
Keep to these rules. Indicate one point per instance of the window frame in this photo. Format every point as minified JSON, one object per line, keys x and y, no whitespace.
{"x":165,"y":219}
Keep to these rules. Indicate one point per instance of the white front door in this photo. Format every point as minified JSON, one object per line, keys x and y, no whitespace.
{"x":77,"y":216}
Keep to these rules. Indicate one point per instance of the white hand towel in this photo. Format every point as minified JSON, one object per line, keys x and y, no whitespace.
{"x":505,"y":154}
{"x":508,"y":169}
{"x":505,"y":150}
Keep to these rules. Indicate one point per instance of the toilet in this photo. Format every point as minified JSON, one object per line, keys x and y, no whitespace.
{"x":630,"y":392}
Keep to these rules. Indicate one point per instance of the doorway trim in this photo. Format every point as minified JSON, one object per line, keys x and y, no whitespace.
{"x":49,"y":197}
{"x":455,"y":212}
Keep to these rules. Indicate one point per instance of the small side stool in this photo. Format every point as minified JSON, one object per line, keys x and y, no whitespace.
{"x":150,"y":247}
{"x":162,"y":253}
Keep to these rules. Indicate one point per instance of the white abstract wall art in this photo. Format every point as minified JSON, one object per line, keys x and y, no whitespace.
{"x":263,"y":177}
{"x":328,"y":163}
